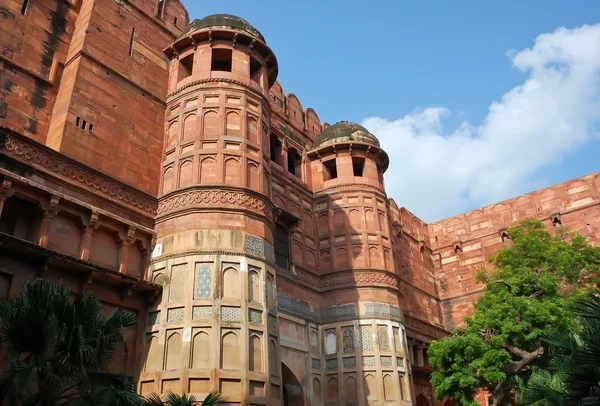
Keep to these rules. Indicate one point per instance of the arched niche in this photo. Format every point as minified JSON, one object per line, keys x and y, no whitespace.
{"x":208,"y":171}
{"x":232,"y":171}
{"x":230,"y":351}
{"x":330,"y":343}
{"x":231,"y":283}
{"x":252,"y":130}
{"x":189,"y":126}
{"x":232,"y":124}
{"x":389,"y":391}
{"x":152,"y":355}
{"x":173,"y":356}
{"x":255,"y":353}
{"x":200,"y":354}
{"x":210,"y":125}
{"x":168,"y":180}
{"x":370,"y":387}
{"x":332,"y":391}
{"x":254,"y":293}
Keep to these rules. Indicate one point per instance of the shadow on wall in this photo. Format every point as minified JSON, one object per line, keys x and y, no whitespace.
{"x":352,"y":360}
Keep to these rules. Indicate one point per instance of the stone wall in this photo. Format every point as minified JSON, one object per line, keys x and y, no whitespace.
{"x":463,"y":243}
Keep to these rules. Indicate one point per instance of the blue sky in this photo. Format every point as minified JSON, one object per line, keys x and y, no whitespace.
{"x":422,"y":76}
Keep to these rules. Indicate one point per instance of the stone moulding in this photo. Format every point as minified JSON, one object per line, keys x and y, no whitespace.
{"x":336,"y":313}
{"x":198,"y":197}
{"x":345,"y":278}
{"x":37,"y":155}
{"x":217,"y":81}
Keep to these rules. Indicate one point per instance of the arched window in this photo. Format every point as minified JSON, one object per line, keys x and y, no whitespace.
{"x":330,"y":343}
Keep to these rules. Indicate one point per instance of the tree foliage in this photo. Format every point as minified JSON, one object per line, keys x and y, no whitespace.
{"x":57,"y":351}
{"x":529,"y":294}
{"x":572,"y":376}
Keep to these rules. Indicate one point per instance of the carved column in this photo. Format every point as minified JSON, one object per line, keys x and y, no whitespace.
{"x":4,"y":188}
{"x":50,"y":209}
{"x":90,"y":225}
{"x":147,"y":257}
{"x":124,"y":244}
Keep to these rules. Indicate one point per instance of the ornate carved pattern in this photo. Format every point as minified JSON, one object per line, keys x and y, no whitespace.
{"x":352,"y":278}
{"x":368,"y":361}
{"x":386,"y":361}
{"x":349,"y":362}
{"x":255,"y":316}
{"x":215,"y":80}
{"x":190,"y":198}
{"x":366,"y":338}
{"x":230,"y":313}
{"x":382,"y":336}
{"x":331,"y":364}
{"x":348,"y":339}
{"x":79,"y":173}
{"x":203,"y":287}
{"x":175,"y":315}
{"x":202,"y":312}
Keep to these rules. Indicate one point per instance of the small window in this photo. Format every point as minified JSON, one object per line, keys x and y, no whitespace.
{"x":275,"y":145}
{"x":131,"y":41}
{"x":255,"y":70}
{"x":160,"y":9}
{"x":282,"y":246}
{"x":221,"y":60}
{"x":186,"y":66}
{"x":278,"y":101}
{"x":91,"y":128}
{"x":329,"y":169}
{"x":24,"y":7}
{"x":175,"y":20}
{"x":358,"y":166}
{"x":294,"y":162}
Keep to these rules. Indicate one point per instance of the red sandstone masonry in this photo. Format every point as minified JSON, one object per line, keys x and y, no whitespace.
{"x":463,"y":243}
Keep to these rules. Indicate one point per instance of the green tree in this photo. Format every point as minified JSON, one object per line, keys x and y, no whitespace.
{"x":572,"y":376}
{"x":172,"y":399}
{"x":57,"y":351}
{"x":529,"y":294}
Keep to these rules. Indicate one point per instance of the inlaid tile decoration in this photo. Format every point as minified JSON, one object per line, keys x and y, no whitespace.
{"x":175,"y":315}
{"x":254,"y":245}
{"x":366,"y":338}
{"x":386,"y":361}
{"x":202,"y":312}
{"x":272,"y":322}
{"x":230,"y":313}
{"x":178,"y":274}
{"x":400,"y":362}
{"x":255,"y":316}
{"x":368,"y":361}
{"x":316,"y":363}
{"x":153,"y":318}
{"x":331,"y":364}
{"x":349,"y":362}
{"x":203,"y":282}
{"x":382,"y":336}
{"x":382,"y":309}
{"x":348,"y":338}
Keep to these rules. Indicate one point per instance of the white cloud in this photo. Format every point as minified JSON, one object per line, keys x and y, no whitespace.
{"x":437,"y":173}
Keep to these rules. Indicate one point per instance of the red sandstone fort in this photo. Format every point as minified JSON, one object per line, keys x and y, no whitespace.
{"x":159,"y":164}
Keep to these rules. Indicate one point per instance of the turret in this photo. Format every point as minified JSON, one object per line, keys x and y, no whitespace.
{"x":215,"y":326}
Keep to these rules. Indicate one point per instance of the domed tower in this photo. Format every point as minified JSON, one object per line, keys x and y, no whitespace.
{"x":212,"y":327}
{"x":367,"y":334}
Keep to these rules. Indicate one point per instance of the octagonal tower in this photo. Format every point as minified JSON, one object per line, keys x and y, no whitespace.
{"x":365,"y":352}
{"x":215,"y":326}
